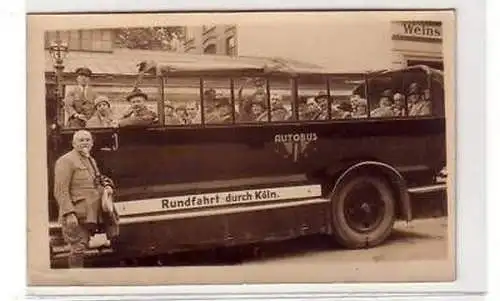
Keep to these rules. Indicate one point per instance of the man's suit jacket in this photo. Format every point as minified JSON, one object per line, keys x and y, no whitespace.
{"x":75,"y":188}
{"x":77,"y":101}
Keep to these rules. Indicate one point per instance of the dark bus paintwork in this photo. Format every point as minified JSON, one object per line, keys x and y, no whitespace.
{"x":161,"y":161}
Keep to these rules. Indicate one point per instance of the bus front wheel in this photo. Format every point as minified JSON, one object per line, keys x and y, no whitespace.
{"x":363,"y":211}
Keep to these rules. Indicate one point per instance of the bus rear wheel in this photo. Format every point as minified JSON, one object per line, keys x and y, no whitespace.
{"x":363,"y":211}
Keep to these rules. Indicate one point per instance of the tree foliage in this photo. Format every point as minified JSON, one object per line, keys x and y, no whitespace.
{"x":152,"y":38}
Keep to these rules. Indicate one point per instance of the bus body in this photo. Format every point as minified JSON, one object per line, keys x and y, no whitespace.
{"x":209,"y":183}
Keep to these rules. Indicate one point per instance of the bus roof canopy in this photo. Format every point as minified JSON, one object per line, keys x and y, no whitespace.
{"x":125,"y":62}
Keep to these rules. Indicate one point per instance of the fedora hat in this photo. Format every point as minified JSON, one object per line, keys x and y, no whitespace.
{"x":135,"y":93}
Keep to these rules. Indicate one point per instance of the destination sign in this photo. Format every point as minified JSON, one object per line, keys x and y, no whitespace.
{"x":211,"y":200}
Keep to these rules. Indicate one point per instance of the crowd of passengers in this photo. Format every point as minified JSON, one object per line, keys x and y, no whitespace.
{"x":87,"y":109}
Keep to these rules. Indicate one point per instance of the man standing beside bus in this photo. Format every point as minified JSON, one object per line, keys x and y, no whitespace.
{"x":79,"y":189}
{"x":79,"y":102}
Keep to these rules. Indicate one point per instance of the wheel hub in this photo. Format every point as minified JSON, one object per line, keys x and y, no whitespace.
{"x":364,"y":208}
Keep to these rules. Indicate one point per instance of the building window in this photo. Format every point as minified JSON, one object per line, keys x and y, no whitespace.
{"x":82,"y":40}
{"x":231,"y":46}
{"x":210,"y":49}
{"x":86,"y":40}
{"x":74,"y":41}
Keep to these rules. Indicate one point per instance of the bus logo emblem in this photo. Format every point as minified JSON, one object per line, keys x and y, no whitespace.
{"x":294,"y":145}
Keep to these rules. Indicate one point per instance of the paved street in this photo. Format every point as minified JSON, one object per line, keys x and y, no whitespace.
{"x":424,"y":239}
{"x":417,"y":252}
{"x":421,"y":240}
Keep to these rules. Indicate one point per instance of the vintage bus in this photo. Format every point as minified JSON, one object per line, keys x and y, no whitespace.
{"x":253,"y":150}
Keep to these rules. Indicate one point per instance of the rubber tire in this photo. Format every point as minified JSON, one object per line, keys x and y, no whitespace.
{"x":348,"y":237}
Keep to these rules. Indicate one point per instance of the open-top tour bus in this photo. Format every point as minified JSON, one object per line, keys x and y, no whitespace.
{"x":262,"y":150}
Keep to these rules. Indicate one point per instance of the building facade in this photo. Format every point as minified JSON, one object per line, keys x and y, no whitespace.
{"x":220,"y":39}
{"x":347,"y":46}
{"x":415,"y":43}
{"x":91,"y":40}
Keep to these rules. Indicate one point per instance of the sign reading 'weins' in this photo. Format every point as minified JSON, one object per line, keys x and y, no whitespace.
{"x":424,"y":30}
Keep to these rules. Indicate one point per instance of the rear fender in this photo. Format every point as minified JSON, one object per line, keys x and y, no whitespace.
{"x":395,"y":179}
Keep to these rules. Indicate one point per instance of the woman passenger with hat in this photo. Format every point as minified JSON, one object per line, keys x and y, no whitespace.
{"x":102,"y":116}
{"x":79,"y":102}
{"x":138,"y":113}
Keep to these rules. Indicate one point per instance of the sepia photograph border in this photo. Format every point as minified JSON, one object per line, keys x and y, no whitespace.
{"x":39,"y":271}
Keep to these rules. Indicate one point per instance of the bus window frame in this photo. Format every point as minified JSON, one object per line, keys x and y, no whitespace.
{"x":293,"y":79}
{"x":401,"y":72}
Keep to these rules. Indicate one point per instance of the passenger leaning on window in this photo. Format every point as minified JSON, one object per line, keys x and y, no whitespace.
{"x":138,"y":114}
{"x":102,"y":117}
{"x":79,"y":102}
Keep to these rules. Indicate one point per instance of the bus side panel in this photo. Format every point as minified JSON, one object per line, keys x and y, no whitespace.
{"x":188,"y":155}
{"x":154,"y":238}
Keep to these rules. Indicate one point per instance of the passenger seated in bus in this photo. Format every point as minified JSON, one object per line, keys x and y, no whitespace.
{"x":341,"y":110}
{"x":209,"y":97}
{"x":193,"y":113}
{"x":259,"y":88}
{"x":102,"y":117}
{"x":222,"y":112}
{"x":322,"y":101}
{"x":79,"y":102}
{"x":278,"y":110}
{"x":249,"y":111}
{"x":171,"y":117}
{"x":419,"y":106}
{"x":427,"y":95}
{"x":399,"y":105}
{"x":310,"y":109}
{"x":181,"y":112}
{"x":361,"y":109}
{"x":259,"y":111}
{"x":354,"y":100}
{"x":138,"y":114}
{"x":385,"y":106}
